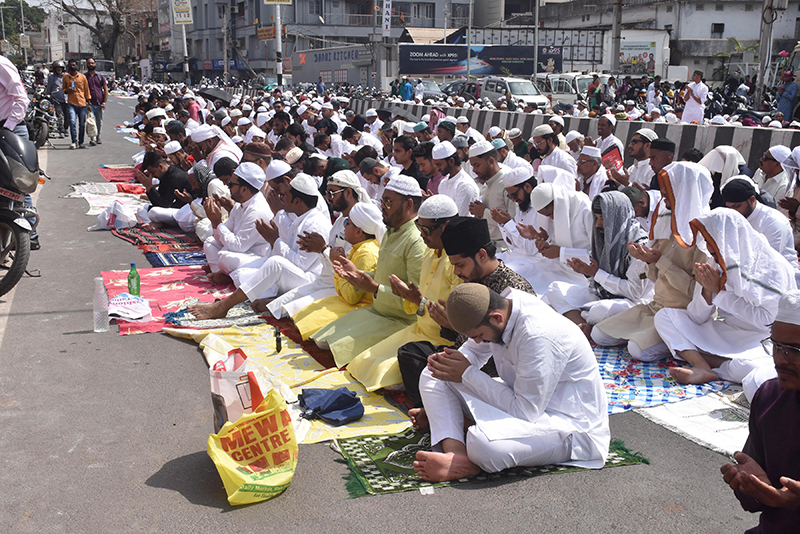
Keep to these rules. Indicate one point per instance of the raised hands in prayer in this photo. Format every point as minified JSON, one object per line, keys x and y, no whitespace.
{"x":438,"y":312}
{"x":448,"y":365}
{"x":500,"y":216}
{"x":145,"y":180}
{"x":183,"y":196}
{"x":643,"y":253}
{"x":426,"y":194}
{"x":213,"y":211}
{"x":348,"y":271}
{"x":547,"y":250}
{"x":622,"y":176}
{"x":528,"y":232}
{"x":708,"y":277}
{"x":268,"y":230}
{"x":311,"y":242}
{"x":790,"y":204}
{"x":750,"y":478}
{"x":275,"y":200}
{"x":224,"y":202}
{"x":338,"y":254}
{"x":409,"y":292}
{"x":476,"y":208}
{"x":585,"y":269}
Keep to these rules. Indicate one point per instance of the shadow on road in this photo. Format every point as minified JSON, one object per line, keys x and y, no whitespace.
{"x":195,"y":477}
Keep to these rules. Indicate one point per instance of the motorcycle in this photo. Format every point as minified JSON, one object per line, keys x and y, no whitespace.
{"x":19,"y":174}
{"x":39,"y":118}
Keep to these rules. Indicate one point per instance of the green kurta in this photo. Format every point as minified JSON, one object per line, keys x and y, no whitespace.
{"x":400,"y":254}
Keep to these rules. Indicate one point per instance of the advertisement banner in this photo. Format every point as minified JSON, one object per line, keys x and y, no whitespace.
{"x":265,"y":34}
{"x":387,"y":18}
{"x":278,"y":2}
{"x":63,"y":36}
{"x":164,"y":29}
{"x":430,"y":60}
{"x":640,"y":55}
{"x":24,"y":40}
{"x":182,"y":11}
{"x":550,"y":59}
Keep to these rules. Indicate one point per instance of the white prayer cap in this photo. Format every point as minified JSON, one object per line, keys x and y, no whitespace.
{"x":647,"y":133}
{"x":775,"y":124}
{"x":408,"y":127}
{"x":305,"y":184}
{"x":169,"y":107}
{"x":300,"y":110}
{"x":203,"y":133}
{"x":780,"y":152}
{"x":630,"y":103}
{"x":462,"y":119}
{"x":450,"y":118}
{"x":718,"y":120}
{"x":611,"y":118}
{"x":494,"y":131}
{"x":226,"y":121}
{"x":236,"y":113}
{"x":789,"y":308}
{"x":438,"y":207}
{"x":516,"y":176}
{"x":327,"y":105}
{"x":247,"y":107}
{"x":480,"y":148}
{"x":235,"y":101}
{"x":591,"y":151}
{"x":237,"y":139}
{"x":426,"y":117}
{"x":188,"y":94}
{"x":159,"y":130}
{"x":556,"y":118}
{"x":349,"y":179}
{"x":250,"y":173}
{"x":443,"y":150}
{"x":368,"y":217}
{"x":261,"y":109}
{"x":243,"y":121}
{"x":371,"y":112}
{"x":766,"y":119}
{"x":513,"y":133}
{"x":656,"y":111}
{"x":316,"y":106}
{"x":293,"y":155}
{"x":155,"y":112}
{"x":277,"y":168}
{"x":171,"y":147}
{"x":542,"y":130}
{"x":543,"y":194}
{"x":404,"y":185}
{"x":572,"y":135}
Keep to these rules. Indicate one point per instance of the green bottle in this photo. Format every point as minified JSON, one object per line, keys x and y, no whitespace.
{"x":133,"y":281}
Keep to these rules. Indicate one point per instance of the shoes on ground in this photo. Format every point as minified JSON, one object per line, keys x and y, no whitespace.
{"x":81,"y":145}
{"x":99,"y":142}
{"x":72,"y":146}
{"x":92,"y":143}
{"x":35,"y":245}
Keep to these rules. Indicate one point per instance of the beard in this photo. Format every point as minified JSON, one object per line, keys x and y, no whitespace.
{"x":525,"y":205}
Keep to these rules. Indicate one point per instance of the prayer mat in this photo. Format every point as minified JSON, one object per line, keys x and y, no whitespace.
{"x":165,"y":259}
{"x":718,"y":421}
{"x":633,"y":384}
{"x":240,"y":315}
{"x":168,"y":289}
{"x":114,"y":174}
{"x":99,"y":203}
{"x":384,"y":464}
{"x":161,"y":240}
{"x":123,"y":129}
{"x":134,"y":140}
{"x":298,"y":370}
{"x":116,"y":166}
{"x":93,"y":188}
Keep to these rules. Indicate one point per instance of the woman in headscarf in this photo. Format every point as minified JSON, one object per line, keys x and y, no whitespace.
{"x":364,"y":230}
{"x":723,"y":162}
{"x":615,"y":278}
{"x":735,"y":301}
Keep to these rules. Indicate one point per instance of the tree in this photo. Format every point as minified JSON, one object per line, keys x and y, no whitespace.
{"x":95,"y":18}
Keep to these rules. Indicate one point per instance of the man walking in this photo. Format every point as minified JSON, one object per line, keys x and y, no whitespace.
{"x":98,"y":88}
{"x":77,"y":90}
{"x":55,"y":92}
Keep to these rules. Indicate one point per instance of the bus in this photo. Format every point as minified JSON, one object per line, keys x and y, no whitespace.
{"x":105,"y":67}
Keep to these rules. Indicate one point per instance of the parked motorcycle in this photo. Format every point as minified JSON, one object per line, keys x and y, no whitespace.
{"x":40,"y":117}
{"x":19,"y":174}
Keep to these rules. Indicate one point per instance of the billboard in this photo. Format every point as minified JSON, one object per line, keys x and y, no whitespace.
{"x":182,"y":11}
{"x":427,"y":59}
{"x":640,"y":55}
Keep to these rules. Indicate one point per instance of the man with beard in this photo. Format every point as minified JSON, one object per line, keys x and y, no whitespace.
{"x":662,"y":152}
{"x":545,"y":143}
{"x":519,"y":185}
{"x":640,"y":174}
{"x":280,"y":121}
{"x":445,"y":130}
{"x":76,"y":87}
{"x":644,"y":203}
{"x":456,"y":184}
{"x":463,"y":126}
{"x":488,"y":173}
{"x":591,"y":172}
{"x":355,"y":120}
{"x":423,"y":133}
{"x":509,"y":158}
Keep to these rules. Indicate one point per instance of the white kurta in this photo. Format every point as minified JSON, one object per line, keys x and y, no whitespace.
{"x":775,"y":186}
{"x":641,"y":173}
{"x":236,"y":241}
{"x":513,"y":161}
{"x":494,"y":196}
{"x":605,"y":143}
{"x":549,"y":404}
{"x":562,"y":160}
{"x":777,"y":229}
{"x":596,"y":182}
{"x":462,"y":188}
{"x":692,"y":110}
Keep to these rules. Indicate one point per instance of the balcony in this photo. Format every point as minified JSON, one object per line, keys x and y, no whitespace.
{"x":347,"y":19}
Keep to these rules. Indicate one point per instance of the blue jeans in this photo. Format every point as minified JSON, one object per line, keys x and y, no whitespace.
{"x":77,"y":115}
{"x":98,"y":118}
{"x":21,"y":130}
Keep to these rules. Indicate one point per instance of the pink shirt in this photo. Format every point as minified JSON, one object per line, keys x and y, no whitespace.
{"x":13,"y":96}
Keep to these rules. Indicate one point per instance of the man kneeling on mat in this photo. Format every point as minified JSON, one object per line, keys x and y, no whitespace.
{"x":549,"y":406}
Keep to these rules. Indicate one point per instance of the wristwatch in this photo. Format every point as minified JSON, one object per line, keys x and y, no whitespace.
{"x":421,"y":309}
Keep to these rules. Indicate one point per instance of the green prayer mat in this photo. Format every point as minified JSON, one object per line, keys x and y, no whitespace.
{"x":384,"y":463}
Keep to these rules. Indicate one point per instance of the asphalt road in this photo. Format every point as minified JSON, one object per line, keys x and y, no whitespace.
{"x":103,"y":433}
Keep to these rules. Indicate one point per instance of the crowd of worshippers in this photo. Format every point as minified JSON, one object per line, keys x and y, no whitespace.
{"x":457,"y":267}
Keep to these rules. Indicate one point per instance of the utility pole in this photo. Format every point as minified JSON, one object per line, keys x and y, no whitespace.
{"x":469,"y":37}
{"x":224,"y":9}
{"x":376,"y":49}
{"x":278,"y":46}
{"x":616,"y":36}
{"x":22,"y":30}
{"x":768,"y":16}
{"x":3,"y":20}
{"x":536,"y":43}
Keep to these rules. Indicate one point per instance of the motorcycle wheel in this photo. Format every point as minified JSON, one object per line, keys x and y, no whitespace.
{"x":41,"y":132}
{"x":15,"y":249}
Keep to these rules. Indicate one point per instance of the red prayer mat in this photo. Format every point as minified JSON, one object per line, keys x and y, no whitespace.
{"x":132,"y":189}
{"x":168,"y":289}
{"x":118,"y":175}
{"x":161,"y":240}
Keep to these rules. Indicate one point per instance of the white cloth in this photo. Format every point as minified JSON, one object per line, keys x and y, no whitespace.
{"x":775,"y":186}
{"x":774,"y":226}
{"x":238,"y":233}
{"x":690,"y":187}
{"x":562,"y":160}
{"x":604,"y":143}
{"x":513,"y":161}
{"x":547,"y":174}
{"x":596,"y":182}
{"x":254,"y":131}
{"x":367,"y":139}
{"x":547,"y":393}
{"x":375,"y":128}
{"x":462,"y":188}
{"x":693,"y":110}
{"x":494,"y":196}
{"x":725,"y":160}
{"x":641,"y":173}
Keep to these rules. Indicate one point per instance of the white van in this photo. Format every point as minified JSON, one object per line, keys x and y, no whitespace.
{"x":520,"y":89}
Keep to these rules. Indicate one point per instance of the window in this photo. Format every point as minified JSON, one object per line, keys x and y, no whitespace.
{"x":490,"y":86}
{"x":315,"y":7}
{"x":669,"y":9}
{"x":326,"y":75}
{"x":748,"y":7}
{"x":717,"y":31}
{"x":700,"y":7}
{"x":340,"y":76}
{"x":719,"y":7}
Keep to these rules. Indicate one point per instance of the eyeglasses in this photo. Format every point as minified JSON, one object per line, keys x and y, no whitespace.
{"x":513,"y":196}
{"x":540,"y":143}
{"x":582,"y":161}
{"x":386,"y":203}
{"x":427,"y":230}
{"x":347,"y":221}
{"x":331,"y":194}
{"x":768,"y":158}
{"x":234,"y":184}
{"x":792,"y":354}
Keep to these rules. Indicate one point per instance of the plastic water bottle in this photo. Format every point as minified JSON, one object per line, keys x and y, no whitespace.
{"x":133,"y":281}
{"x":100,"y":305}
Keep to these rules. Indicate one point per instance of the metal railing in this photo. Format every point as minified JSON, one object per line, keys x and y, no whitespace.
{"x":348,"y":19}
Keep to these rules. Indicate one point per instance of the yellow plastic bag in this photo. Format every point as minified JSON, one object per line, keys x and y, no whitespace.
{"x":256,"y":456}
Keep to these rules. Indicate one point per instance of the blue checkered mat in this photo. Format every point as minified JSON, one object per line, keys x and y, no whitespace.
{"x":165,"y":259}
{"x":633,"y":384}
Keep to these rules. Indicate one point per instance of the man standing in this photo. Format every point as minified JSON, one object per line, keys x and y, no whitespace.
{"x":55,"y":92}
{"x":321,"y":87}
{"x":98,"y":89}
{"x":529,"y":417}
{"x":695,"y":98}
{"x":76,"y":88}
{"x":787,"y":93}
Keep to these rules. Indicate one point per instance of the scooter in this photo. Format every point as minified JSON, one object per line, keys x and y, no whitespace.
{"x":19,"y":174}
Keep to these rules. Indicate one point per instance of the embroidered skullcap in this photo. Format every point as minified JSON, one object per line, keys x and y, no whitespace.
{"x":226,"y":121}
{"x":516,"y":176}
{"x":251,"y":173}
{"x":447,"y":125}
{"x":243,"y":121}
{"x":465,"y":236}
{"x":172,"y":147}
{"x":371,"y":113}
{"x":592,"y":151}
{"x":542,"y":195}
{"x":305,"y":184}
{"x":494,"y":131}
{"x":443,"y":150}
{"x":236,"y":113}
{"x":277,"y":168}
{"x":460,"y":141}
{"x":293,"y":155}
{"x":327,"y":105}
{"x":302,"y":109}
{"x":438,"y":207}
{"x":572,"y":135}
{"x":419,"y":127}
{"x":234,"y":102}
{"x":498,"y":143}
{"x":542,"y":130}
{"x":155,"y":112}
{"x":159,"y":130}
{"x":780,"y":153}
{"x":467,"y":305}
{"x":404,"y":185}
{"x":557,"y":119}
{"x":247,"y":107}
{"x":513,"y":133}
{"x":260,"y":150}
{"x":202,"y":133}
{"x":368,"y":217}
{"x":463,"y":119}
{"x":480,"y":148}
{"x":789,"y":308}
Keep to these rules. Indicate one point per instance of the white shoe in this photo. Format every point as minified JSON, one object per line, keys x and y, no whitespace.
{"x":72,"y":146}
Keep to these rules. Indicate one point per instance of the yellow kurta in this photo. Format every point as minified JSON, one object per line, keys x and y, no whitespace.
{"x":377,"y":366}
{"x":324,"y":311}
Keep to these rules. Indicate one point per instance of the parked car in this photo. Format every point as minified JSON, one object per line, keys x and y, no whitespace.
{"x":451,"y":88}
{"x":471,"y":90}
{"x":432,"y":91}
{"x":567,"y":87}
{"x":518,"y":88}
